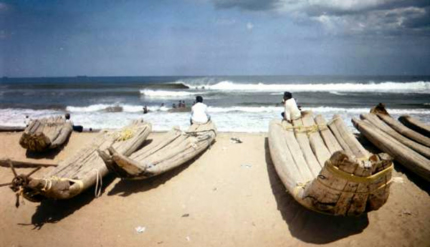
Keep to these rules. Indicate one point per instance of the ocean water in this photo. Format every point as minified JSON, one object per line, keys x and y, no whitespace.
{"x":236,"y":103}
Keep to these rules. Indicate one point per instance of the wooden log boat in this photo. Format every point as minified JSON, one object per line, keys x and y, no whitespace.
{"x":46,"y":133}
{"x":409,"y":148}
{"x":84,"y":169}
{"x":326,"y":169}
{"x":415,"y":124}
{"x":174,"y":149}
{"x":11,"y":128}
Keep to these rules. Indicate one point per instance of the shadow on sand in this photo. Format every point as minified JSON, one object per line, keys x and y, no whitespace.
{"x":306,"y":225}
{"x":53,"y":211}
{"x":48,"y":154}
{"x":128,"y":187}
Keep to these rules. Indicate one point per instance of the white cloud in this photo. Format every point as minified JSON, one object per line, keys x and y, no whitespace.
{"x":347,"y":16}
{"x":249,"y":26}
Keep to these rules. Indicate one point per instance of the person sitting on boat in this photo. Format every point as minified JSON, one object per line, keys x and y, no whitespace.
{"x":199,"y":112}
{"x":77,"y":128}
{"x":291,"y":110}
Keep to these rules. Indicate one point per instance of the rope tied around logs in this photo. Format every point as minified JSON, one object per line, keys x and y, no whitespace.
{"x":125,"y":134}
{"x":336,"y":172}
{"x":357,"y":179}
{"x":305,"y":129}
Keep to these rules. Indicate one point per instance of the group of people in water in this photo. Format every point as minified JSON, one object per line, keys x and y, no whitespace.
{"x":199,"y":110}
{"x":181,"y":104}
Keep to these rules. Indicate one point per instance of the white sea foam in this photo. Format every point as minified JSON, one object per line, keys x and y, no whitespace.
{"x":167,"y":94}
{"x":338,"y":93}
{"x":393,"y":87}
{"x":109,"y":107}
{"x":240,"y":119}
{"x":320,"y":109}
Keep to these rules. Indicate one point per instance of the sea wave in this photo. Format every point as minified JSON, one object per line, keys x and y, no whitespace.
{"x":389,"y":87}
{"x":320,"y":109}
{"x":237,"y":118}
{"x":167,"y":94}
{"x":113,"y":108}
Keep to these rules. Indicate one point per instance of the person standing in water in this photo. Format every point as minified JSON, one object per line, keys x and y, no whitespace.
{"x":199,"y":112}
{"x":291,"y":110}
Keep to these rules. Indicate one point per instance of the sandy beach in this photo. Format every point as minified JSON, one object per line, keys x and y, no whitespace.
{"x":229,"y":196}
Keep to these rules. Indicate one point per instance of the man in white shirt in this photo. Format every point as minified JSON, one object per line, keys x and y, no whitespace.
{"x":199,"y":112}
{"x":291,"y":111}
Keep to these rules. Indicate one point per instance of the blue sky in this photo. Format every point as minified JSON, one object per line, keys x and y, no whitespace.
{"x":214,"y":37}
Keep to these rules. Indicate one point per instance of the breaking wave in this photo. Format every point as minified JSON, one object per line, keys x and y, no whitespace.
{"x":113,"y":108}
{"x":167,"y":94}
{"x":388,"y":87}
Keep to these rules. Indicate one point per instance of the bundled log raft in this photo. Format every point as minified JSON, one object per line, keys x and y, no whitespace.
{"x":408,"y":147}
{"x":174,"y":149}
{"x":84,"y":169}
{"x":415,"y":124}
{"x":326,"y":169}
{"x":46,"y":133}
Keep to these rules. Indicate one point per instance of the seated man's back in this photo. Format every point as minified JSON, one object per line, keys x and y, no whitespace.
{"x":199,"y":112}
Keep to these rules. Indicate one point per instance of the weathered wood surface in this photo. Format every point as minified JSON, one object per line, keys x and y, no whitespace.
{"x":401,"y":153}
{"x":46,"y":133}
{"x":330,"y":141}
{"x":86,"y":168}
{"x":405,"y":131}
{"x":345,"y":137}
{"x":416,"y":125}
{"x":301,"y":132}
{"x":381,"y":125}
{"x":11,"y":128}
{"x":174,"y":149}
{"x":316,"y":141}
{"x":23,"y":164}
{"x":351,"y":182}
{"x":399,"y":141}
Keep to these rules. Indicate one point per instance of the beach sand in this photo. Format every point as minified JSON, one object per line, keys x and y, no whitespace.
{"x":229,"y":196}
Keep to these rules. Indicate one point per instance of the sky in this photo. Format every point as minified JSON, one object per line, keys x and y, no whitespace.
{"x":214,"y":37}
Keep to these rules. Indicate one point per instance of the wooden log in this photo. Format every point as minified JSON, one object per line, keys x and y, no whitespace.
{"x":404,"y":155}
{"x":11,"y":128}
{"x":324,"y":192}
{"x":24,"y":164}
{"x":282,"y":157}
{"x":338,"y":135}
{"x":359,"y":200}
{"x":378,"y":123}
{"x":317,"y":144}
{"x":330,"y":141}
{"x":416,"y":125}
{"x":296,"y":152}
{"x":301,"y":132}
{"x":380,"y":188}
{"x":348,"y":138}
{"x":405,"y":131}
